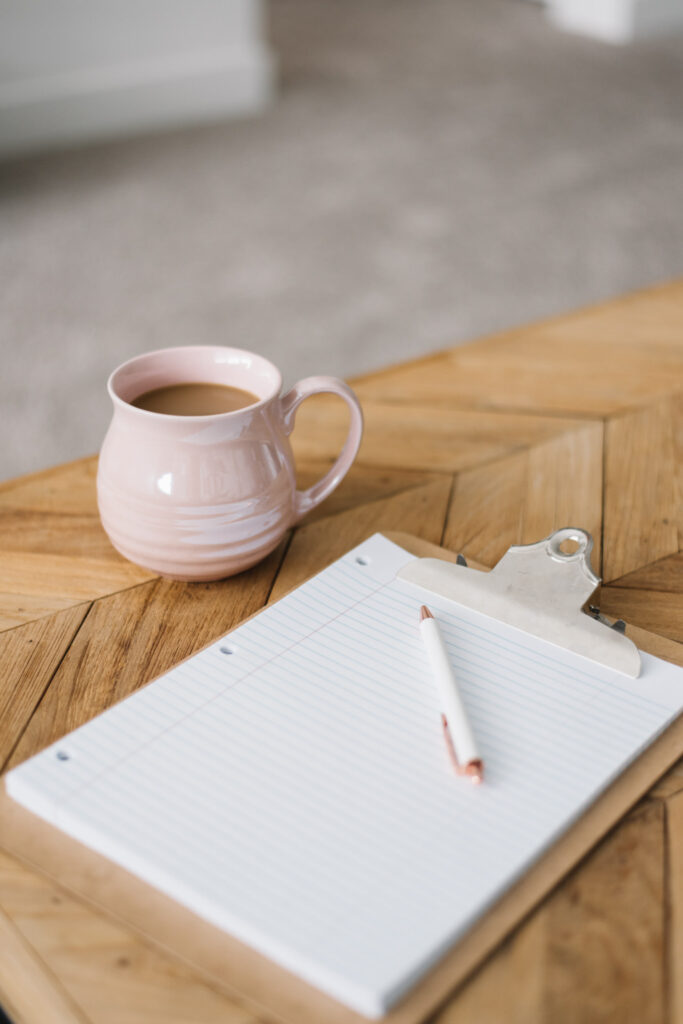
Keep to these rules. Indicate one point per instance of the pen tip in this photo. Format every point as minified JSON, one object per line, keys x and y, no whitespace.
{"x":475,"y":771}
{"x":425,"y":613}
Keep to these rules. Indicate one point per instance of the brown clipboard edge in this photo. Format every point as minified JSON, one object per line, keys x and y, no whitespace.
{"x":262,"y":986}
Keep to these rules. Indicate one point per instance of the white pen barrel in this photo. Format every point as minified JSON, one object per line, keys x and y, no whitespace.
{"x":451,"y":701}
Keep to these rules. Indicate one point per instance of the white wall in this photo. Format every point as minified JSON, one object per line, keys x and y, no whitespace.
{"x":72,"y":70}
{"x":617,"y":21}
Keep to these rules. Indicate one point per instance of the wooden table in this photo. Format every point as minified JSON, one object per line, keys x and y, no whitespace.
{"x":578,"y":420}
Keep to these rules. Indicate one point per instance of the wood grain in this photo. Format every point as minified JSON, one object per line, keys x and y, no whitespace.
{"x":652,"y":610}
{"x":674,"y":989}
{"x":57,"y":533}
{"x":107,"y":975}
{"x":597,"y":362}
{"x":670,"y":783}
{"x":508,"y":988}
{"x":487,"y":510}
{"x":64,"y":579}
{"x":30,"y":655}
{"x":640,"y":512}
{"x":20,"y":609}
{"x":362,"y":485}
{"x":53,"y":550}
{"x":30,"y":991}
{"x":420,"y":510}
{"x":665,"y":574}
{"x":606,"y":930}
{"x":677,"y":427}
{"x":592,"y":952}
{"x":66,"y":489}
{"x":420,"y":437}
{"x":135,"y":635}
{"x":520,"y":499}
{"x":521,"y":380}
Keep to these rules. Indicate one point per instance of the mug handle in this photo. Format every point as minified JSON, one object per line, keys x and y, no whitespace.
{"x":304,"y":501}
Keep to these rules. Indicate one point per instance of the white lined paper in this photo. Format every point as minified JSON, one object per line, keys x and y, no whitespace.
{"x":298,"y":794}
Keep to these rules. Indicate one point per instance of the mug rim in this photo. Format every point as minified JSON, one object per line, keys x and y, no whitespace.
{"x":122,"y":403}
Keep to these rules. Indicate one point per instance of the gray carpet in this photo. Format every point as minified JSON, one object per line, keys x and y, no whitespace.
{"x":432,"y":170}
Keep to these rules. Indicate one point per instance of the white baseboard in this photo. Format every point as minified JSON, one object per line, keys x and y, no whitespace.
{"x":89,"y":106}
{"x":617,"y":21}
{"x":133,"y":66}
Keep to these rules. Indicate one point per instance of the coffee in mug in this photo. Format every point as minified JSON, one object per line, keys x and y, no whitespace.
{"x":194,"y":399}
{"x":196,"y":478}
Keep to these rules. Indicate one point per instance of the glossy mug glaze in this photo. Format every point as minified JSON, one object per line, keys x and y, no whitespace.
{"x":203,"y":497}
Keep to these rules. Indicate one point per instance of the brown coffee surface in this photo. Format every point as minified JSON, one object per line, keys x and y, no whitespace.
{"x":194,"y":399}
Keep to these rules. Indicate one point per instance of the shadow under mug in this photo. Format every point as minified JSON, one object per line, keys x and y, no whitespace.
{"x":203,"y":497}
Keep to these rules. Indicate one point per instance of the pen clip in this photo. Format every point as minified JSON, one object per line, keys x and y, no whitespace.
{"x":474,"y":770}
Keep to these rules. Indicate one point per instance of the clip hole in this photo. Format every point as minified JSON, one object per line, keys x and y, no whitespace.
{"x":361,"y":560}
{"x":569,"y":546}
{"x":226,"y":649}
{"x":62,"y":755}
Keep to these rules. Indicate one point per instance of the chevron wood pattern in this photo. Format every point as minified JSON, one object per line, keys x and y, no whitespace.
{"x":574,"y":421}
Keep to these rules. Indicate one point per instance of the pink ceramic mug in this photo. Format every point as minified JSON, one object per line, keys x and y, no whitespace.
{"x":203,"y":497}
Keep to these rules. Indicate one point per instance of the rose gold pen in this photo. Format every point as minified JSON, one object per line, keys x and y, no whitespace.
{"x":460,"y":742}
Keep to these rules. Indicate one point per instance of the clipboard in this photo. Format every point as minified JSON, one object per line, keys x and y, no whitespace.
{"x":268,"y":989}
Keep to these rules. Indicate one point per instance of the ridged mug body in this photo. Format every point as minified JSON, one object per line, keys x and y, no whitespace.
{"x":196,"y":497}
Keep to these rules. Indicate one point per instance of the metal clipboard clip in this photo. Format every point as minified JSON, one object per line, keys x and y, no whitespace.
{"x":540,"y":589}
